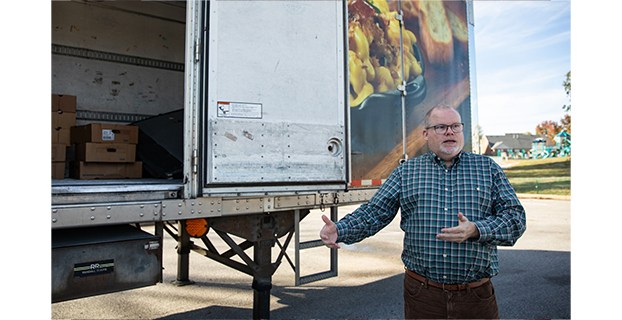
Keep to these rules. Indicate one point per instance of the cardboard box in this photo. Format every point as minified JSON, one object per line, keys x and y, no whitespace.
{"x":105,"y":152}
{"x":61,"y":119}
{"x":61,"y":136}
{"x":104,"y":133}
{"x":97,"y":170}
{"x":58,"y":170}
{"x":61,"y":126}
{"x":59,"y":152}
{"x":64,"y":103}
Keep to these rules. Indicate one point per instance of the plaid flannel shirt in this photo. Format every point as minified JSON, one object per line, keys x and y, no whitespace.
{"x":430,"y":195}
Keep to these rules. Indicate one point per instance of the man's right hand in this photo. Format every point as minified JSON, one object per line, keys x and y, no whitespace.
{"x":328,"y":234}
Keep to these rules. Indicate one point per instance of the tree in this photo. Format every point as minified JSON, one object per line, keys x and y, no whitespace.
{"x":549,"y":129}
{"x":566,"y":85}
{"x":565,"y":123}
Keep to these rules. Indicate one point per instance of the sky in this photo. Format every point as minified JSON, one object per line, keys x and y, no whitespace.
{"x":522,"y":55}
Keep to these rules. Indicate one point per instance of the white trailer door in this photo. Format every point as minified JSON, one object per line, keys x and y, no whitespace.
{"x":275,"y":99}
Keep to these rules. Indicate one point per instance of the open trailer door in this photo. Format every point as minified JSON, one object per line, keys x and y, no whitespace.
{"x":275,"y":98}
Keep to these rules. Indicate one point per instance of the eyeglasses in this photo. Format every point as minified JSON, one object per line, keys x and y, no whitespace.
{"x":442,"y":128}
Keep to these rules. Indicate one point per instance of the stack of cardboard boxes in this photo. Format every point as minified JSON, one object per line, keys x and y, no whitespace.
{"x":63,"y":118}
{"x":105,"y":151}
{"x":94,"y":151}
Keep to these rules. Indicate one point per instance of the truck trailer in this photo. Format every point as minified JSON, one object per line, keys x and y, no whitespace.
{"x":230,"y":121}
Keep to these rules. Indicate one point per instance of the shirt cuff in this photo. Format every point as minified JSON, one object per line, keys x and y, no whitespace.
{"x":485,"y":233}
{"x":341,"y":231}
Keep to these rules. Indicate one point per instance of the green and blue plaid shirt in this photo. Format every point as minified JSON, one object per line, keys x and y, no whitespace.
{"x":430,"y":196}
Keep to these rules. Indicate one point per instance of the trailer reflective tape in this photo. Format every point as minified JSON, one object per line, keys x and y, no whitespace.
{"x":86,"y":269}
{"x":367,"y":182}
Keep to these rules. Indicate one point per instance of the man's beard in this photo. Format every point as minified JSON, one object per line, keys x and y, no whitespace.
{"x":449,"y":150}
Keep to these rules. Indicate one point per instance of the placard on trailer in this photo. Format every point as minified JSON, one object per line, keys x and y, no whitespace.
{"x":275,"y":115}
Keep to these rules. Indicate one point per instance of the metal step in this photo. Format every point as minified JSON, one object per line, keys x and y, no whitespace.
{"x":331,"y":272}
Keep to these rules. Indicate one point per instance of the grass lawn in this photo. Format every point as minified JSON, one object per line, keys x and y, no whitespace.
{"x":543,"y":176}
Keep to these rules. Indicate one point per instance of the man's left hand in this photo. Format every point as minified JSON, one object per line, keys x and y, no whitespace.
{"x":465,"y":230}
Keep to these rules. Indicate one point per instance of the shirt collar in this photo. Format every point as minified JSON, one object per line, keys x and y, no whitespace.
{"x":436,"y":159}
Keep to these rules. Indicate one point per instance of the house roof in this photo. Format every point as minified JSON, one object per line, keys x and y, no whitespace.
{"x":512,"y":141}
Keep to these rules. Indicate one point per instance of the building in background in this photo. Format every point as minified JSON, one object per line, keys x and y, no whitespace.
{"x":515,"y":145}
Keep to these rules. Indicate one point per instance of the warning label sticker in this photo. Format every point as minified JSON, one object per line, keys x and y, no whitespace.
{"x":239,"y":110}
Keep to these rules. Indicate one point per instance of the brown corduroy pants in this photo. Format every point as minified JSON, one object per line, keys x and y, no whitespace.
{"x":423,"y":301}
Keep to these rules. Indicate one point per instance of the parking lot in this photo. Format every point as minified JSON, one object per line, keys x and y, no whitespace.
{"x":534,"y":282}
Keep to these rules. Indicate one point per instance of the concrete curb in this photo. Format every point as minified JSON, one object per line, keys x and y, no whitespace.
{"x":542,"y":196}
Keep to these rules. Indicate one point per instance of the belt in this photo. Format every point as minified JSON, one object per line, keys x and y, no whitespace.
{"x":449,"y":287}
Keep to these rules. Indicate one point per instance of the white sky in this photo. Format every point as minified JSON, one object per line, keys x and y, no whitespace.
{"x":522,"y":53}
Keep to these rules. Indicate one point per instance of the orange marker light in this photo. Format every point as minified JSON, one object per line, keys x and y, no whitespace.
{"x":197,"y":227}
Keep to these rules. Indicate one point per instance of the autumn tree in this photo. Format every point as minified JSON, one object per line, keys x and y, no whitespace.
{"x":549,"y":129}
{"x":565,"y":123}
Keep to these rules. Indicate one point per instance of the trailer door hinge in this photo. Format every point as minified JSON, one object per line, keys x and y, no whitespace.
{"x":195,"y":160}
{"x":197,"y":51}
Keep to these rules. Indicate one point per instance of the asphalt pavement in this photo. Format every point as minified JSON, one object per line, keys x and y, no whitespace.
{"x":534,"y":281}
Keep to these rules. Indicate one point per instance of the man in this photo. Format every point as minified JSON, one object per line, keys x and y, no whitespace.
{"x":456,"y":208}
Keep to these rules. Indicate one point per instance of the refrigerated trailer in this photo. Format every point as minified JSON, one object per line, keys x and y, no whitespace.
{"x":249,"y":115}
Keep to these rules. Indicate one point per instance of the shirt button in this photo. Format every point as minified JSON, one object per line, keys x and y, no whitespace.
{"x":446,"y":189}
{"x":444,"y":255}
{"x":445,"y":209}
{"x":444,"y":277}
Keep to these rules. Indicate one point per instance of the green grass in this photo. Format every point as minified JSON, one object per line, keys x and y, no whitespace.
{"x":540,"y":176}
